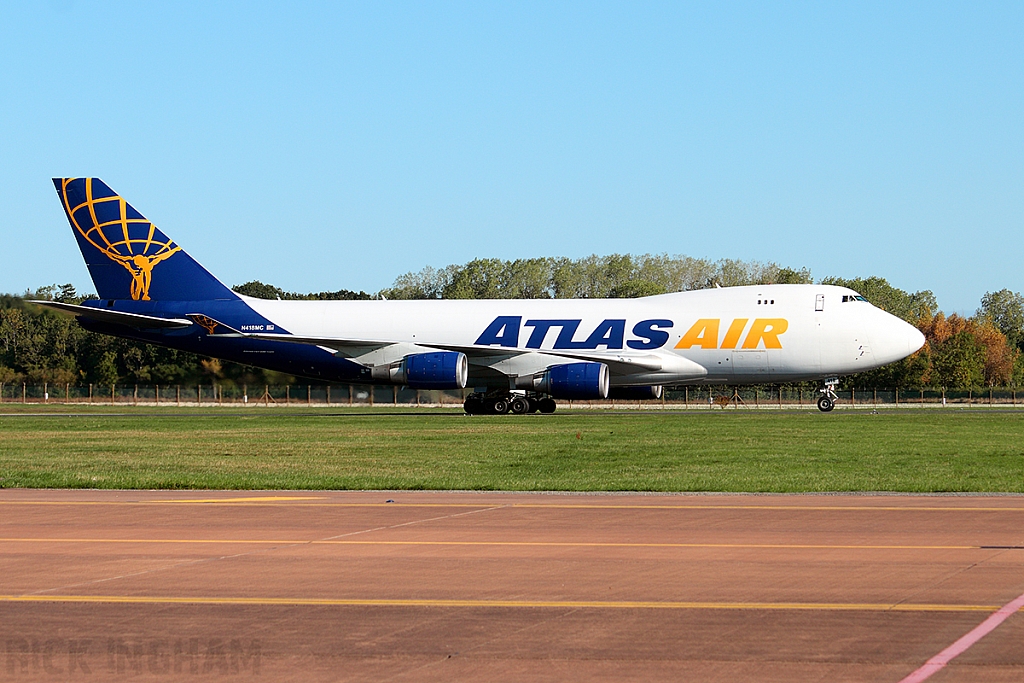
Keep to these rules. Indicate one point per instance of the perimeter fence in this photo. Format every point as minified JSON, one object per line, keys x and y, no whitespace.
{"x":713,"y":397}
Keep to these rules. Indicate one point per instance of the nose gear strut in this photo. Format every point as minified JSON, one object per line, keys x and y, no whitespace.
{"x":828,"y":398}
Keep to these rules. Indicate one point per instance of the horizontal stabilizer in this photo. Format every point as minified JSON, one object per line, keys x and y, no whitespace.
{"x":104,"y":315}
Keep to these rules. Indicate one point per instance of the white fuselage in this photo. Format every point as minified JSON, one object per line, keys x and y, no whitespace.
{"x":734,"y":335}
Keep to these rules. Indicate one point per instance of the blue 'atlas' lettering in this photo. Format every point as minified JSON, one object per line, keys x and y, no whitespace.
{"x":653,"y":338}
{"x":504,"y":331}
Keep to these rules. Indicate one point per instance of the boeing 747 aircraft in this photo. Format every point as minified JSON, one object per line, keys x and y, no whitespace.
{"x":517,"y":355}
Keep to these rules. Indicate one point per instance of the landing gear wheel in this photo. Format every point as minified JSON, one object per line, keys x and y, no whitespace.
{"x":534,"y":405}
{"x":546,"y":405}
{"x":499,"y":406}
{"x":473,"y":406}
{"x":826,"y":404}
{"x":519,"y":406}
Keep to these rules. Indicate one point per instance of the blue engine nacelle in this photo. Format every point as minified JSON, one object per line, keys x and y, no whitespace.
{"x":438,"y":370}
{"x":636,"y":393}
{"x":575,"y":381}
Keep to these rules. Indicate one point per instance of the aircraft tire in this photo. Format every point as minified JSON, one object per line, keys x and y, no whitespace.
{"x":533,"y":405}
{"x":473,"y":406}
{"x":519,"y":406}
{"x":826,"y":404}
{"x":499,"y":406}
{"x":546,"y":405}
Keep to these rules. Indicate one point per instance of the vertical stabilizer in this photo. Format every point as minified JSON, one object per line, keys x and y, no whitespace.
{"x":129,"y":257}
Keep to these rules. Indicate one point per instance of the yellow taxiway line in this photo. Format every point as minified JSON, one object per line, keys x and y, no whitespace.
{"x":531,"y":544}
{"x":565,"y":604}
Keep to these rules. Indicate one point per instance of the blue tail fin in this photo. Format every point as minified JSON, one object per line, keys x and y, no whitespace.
{"x":128,"y":257}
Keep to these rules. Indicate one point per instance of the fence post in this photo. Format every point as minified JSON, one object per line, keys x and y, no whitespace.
{"x":135,"y":396}
{"x":177,"y":394}
{"x":24,"y":392}
{"x":853,"y":396}
{"x":46,"y":392}
{"x":245,"y":394}
{"x":417,"y":397}
{"x":67,"y":393}
{"x":328,"y":394}
{"x":112,"y":395}
{"x":219,"y":390}
{"x":199,"y":395}
{"x":309,"y":394}
{"x":350,"y":394}
{"x":90,"y":393}
{"x":394,"y":394}
{"x":686,"y":397}
{"x":874,"y":400}
{"x":970,"y":397}
{"x":371,"y":394}
{"x":287,"y":394}
{"x":157,"y":394}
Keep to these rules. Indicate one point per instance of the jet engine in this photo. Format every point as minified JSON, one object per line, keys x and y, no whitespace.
{"x":570,"y":381}
{"x":437,"y":370}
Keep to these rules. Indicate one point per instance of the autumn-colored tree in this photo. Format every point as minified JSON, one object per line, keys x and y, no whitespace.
{"x":1000,"y":356}
{"x":968,"y":352}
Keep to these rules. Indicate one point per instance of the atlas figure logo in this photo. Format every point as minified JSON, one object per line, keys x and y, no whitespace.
{"x":650,"y":334}
{"x":116,"y":230}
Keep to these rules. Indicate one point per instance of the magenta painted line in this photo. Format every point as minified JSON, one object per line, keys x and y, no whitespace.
{"x":936,"y":663}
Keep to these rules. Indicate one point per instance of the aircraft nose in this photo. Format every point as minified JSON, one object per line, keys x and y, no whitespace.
{"x":897,"y":339}
{"x":915,"y":340}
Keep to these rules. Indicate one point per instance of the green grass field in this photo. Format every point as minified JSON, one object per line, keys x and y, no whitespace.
{"x":771,"y":451}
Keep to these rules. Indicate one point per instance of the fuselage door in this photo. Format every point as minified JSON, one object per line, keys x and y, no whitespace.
{"x":819,"y":302}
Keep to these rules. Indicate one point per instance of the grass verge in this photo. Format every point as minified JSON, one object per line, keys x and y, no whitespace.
{"x":777,"y":451}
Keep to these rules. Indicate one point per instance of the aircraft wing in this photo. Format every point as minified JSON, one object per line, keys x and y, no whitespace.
{"x":105,"y":315}
{"x":621,"y":363}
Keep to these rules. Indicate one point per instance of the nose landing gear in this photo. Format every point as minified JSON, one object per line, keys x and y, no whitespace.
{"x":828,"y":398}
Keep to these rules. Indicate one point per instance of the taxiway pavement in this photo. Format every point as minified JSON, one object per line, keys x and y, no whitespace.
{"x":346,"y":586}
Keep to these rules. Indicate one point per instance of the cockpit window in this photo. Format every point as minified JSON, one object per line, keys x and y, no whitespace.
{"x":853,"y":297}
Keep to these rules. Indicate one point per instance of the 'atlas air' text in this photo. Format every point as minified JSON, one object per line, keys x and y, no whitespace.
{"x":706,"y":333}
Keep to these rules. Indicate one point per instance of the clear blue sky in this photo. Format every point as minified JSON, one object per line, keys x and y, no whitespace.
{"x":334,"y":145}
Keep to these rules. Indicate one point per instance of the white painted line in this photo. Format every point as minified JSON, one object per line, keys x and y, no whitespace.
{"x":936,"y":663}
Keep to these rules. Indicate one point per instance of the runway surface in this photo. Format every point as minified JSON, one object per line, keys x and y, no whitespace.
{"x":345,"y":586}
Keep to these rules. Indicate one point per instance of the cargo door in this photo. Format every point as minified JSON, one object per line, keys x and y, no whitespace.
{"x":750,"y":365}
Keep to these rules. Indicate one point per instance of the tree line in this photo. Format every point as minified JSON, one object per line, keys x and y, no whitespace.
{"x":982,"y":350}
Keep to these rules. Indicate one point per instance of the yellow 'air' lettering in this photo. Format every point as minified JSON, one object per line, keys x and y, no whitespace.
{"x":704,"y":334}
{"x":767,"y":330}
{"x":732,"y":335}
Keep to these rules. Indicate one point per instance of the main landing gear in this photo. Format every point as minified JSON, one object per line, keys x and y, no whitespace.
{"x":828,"y":398}
{"x":502,"y":403}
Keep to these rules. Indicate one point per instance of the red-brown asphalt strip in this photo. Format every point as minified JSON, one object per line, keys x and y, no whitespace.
{"x":346,"y":586}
